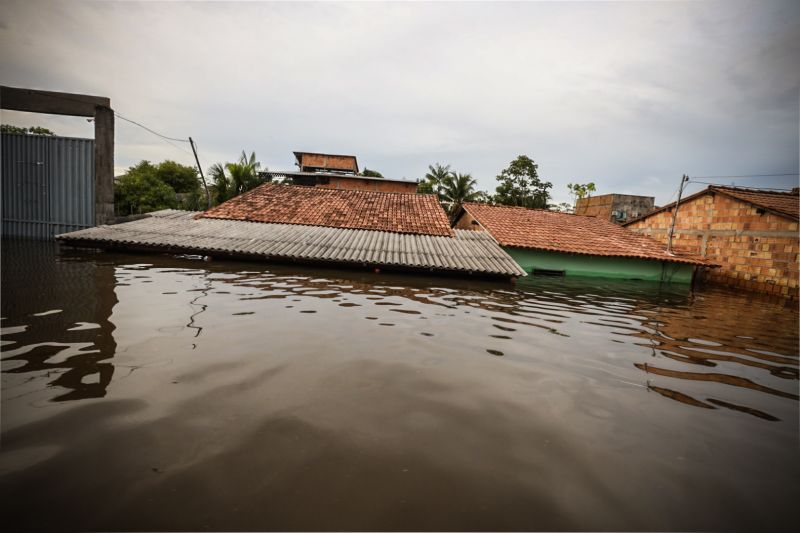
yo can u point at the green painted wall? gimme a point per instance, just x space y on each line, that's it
601 267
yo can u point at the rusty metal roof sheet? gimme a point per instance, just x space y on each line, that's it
169 230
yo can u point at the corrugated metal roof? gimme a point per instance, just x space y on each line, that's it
467 252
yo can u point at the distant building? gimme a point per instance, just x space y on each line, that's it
313 162
617 208
547 242
333 171
751 233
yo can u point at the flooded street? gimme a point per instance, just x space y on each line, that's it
148 392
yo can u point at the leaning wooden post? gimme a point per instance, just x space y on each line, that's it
684 179
208 196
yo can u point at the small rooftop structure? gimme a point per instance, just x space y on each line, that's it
616 208
354 209
314 162
544 241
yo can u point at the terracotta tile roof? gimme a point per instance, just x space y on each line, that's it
311 206
784 203
540 229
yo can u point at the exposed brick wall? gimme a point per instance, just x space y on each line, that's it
466 220
604 205
369 185
757 251
330 162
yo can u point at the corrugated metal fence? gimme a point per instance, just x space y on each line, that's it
47 185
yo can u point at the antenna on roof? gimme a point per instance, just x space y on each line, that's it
684 180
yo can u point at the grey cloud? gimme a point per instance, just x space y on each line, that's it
630 96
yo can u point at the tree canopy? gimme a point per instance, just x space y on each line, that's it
580 190
232 179
147 187
371 173
457 188
33 130
182 178
519 185
141 191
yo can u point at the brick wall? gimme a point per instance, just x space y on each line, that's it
757 251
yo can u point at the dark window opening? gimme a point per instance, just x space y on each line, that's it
546 272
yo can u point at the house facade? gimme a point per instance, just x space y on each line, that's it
752 234
546 242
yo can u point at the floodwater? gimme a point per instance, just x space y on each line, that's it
148 392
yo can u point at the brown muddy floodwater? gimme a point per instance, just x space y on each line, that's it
147 392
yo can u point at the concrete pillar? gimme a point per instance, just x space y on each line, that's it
103 165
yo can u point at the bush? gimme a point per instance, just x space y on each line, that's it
142 192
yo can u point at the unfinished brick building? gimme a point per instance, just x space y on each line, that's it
752 233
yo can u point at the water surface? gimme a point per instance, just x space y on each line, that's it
148 392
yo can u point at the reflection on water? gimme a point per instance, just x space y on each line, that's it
260 392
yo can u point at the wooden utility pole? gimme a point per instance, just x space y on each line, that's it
684 180
205 186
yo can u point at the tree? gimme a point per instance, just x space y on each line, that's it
563 207
140 191
371 173
455 189
232 179
520 185
33 130
578 191
182 178
433 178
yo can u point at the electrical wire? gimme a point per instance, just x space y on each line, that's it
747 176
150 130
728 185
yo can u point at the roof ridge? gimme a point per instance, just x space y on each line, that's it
340 191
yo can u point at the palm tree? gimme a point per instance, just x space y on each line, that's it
455 189
433 178
232 179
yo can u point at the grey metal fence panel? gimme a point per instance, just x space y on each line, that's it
47 185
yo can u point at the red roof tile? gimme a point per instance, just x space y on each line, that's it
289 204
561 232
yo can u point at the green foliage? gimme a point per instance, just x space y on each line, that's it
520 185
455 189
33 130
182 178
371 173
431 182
563 207
232 179
141 191
579 190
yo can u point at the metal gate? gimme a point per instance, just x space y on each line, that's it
47 185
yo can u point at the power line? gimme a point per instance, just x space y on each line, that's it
747 176
150 130
727 185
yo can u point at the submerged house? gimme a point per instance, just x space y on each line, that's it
333 171
546 242
288 223
751 233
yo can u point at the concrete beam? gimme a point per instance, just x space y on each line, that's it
54 103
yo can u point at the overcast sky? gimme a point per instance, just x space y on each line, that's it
628 95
